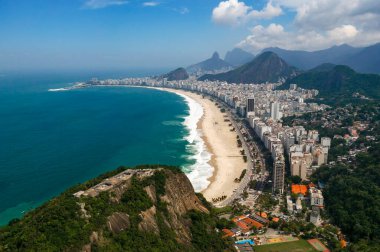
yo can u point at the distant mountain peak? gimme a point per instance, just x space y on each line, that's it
268 54
267 67
215 63
215 55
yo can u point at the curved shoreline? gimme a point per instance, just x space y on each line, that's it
221 143
226 162
202 172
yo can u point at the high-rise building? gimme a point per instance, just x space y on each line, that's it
275 113
250 105
326 142
278 175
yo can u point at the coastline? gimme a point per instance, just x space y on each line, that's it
221 144
211 137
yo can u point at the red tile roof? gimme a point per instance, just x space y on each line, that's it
299 189
242 225
253 223
227 233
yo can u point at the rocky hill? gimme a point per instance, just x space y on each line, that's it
267 67
177 74
215 63
142 209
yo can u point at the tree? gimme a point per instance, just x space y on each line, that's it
295 179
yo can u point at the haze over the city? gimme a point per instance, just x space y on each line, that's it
119 34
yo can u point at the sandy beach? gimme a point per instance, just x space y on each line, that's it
221 143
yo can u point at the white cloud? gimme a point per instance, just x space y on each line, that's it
342 33
275 35
317 24
99 4
327 14
150 4
233 12
268 12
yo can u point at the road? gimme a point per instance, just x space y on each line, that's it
250 148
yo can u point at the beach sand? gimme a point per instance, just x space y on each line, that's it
222 144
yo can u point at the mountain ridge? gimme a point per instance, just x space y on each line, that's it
215 63
238 57
337 83
361 59
266 67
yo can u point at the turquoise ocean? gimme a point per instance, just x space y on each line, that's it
50 141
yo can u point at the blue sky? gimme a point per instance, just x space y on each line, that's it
118 34
66 33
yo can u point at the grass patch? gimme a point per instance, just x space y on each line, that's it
296 246
222 210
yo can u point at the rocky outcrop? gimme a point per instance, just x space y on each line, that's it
179 199
151 191
180 194
118 222
148 222
142 209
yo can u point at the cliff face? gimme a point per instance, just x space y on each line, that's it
179 199
130 210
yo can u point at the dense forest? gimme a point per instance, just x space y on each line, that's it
352 197
352 189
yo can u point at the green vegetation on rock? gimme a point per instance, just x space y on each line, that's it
156 213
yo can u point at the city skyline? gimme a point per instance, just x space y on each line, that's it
118 34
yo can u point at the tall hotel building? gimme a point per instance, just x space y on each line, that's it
250 106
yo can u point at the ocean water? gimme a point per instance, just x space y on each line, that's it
50 141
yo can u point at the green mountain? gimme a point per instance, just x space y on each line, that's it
338 83
147 208
267 67
177 74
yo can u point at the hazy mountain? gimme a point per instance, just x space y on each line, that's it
178 74
325 67
337 83
215 63
267 67
307 60
238 57
366 60
141 209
